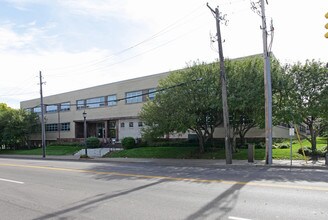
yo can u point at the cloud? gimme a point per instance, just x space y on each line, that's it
22 5
93 8
26 37
9 39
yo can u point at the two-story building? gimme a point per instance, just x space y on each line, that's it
111 112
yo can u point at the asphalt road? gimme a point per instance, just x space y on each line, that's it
37 189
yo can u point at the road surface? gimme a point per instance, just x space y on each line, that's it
42 189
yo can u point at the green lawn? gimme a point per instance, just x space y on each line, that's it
50 150
156 152
191 152
175 152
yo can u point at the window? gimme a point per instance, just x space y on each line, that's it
54 127
111 100
51 127
133 97
151 94
65 106
140 124
37 110
80 104
95 102
65 126
28 110
122 125
131 124
51 108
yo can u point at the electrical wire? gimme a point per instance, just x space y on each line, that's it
135 56
163 31
126 98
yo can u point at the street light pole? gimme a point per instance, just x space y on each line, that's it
85 132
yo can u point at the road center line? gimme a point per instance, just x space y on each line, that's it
11 181
270 185
237 218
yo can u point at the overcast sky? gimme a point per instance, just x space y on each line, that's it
83 43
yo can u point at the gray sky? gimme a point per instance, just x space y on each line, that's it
83 43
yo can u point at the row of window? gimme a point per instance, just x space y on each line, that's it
111 100
54 127
131 124
96 102
54 108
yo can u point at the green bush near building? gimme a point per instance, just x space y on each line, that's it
92 142
128 143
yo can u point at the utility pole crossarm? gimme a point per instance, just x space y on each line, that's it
210 8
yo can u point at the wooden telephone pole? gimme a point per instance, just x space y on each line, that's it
42 119
228 150
268 90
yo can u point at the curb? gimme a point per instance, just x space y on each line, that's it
168 162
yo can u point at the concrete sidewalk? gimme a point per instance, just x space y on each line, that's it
320 164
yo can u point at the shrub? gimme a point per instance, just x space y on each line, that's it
325 149
79 144
92 142
320 153
128 143
307 151
278 140
260 145
283 146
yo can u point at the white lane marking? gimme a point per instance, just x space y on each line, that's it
237 218
11 181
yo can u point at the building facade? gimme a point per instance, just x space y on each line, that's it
111 112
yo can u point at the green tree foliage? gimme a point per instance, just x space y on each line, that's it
188 99
196 104
16 126
246 93
306 97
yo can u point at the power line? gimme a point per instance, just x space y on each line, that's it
132 57
19 90
126 98
166 29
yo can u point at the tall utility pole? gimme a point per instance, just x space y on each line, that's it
268 90
42 120
228 151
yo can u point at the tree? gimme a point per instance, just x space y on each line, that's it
16 126
187 99
307 98
246 94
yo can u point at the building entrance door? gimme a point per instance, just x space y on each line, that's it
100 130
112 130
